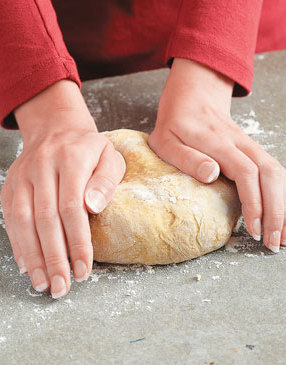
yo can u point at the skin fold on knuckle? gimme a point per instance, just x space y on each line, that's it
46 215
251 209
274 221
246 171
57 264
32 259
106 185
22 215
71 208
82 250
272 168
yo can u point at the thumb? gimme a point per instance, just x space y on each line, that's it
104 180
187 159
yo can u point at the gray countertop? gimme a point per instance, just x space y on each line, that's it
236 313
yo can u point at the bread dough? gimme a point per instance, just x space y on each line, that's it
158 214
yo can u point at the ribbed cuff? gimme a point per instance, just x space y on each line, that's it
44 74
213 56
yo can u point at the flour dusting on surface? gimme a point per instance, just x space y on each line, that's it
248 123
3 174
20 148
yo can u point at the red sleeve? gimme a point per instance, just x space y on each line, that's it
220 34
33 55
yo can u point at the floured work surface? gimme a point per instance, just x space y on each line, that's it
226 307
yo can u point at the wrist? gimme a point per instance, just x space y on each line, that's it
203 82
59 107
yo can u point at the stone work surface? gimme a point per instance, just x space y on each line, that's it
227 307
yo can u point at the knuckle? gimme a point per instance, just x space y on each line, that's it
45 214
32 259
271 168
68 152
55 261
255 207
71 208
108 183
249 169
22 214
79 248
43 153
276 218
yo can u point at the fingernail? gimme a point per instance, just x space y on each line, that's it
283 236
22 266
58 286
257 229
40 280
274 241
208 171
80 271
95 200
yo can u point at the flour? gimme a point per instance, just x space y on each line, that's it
128 145
242 243
33 293
45 313
20 148
139 191
215 277
260 57
144 121
249 125
3 339
3 174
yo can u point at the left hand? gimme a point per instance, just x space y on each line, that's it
195 132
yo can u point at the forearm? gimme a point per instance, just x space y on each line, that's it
194 79
33 55
56 108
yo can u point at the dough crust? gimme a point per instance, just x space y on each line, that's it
158 214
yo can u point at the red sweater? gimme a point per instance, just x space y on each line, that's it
124 36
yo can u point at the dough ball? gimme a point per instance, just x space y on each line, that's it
158 214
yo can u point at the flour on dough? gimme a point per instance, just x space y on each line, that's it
158 214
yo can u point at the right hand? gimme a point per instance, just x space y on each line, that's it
65 170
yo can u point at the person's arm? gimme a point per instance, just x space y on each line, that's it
67 168
33 54
213 49
219 34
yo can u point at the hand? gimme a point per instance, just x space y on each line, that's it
65 170
194 132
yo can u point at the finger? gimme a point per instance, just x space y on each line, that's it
238 167
50 230
283 235
26 235
74 173
272 182
107 175
272 186
6 202
187 159
246 177
75 220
